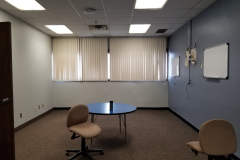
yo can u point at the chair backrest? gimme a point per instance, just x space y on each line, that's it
217 137
77 114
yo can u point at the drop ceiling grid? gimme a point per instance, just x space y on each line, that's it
116 14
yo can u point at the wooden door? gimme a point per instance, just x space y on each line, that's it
7 148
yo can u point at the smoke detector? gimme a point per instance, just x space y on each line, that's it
98 27
89 11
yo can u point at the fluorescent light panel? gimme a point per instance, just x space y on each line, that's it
139 28
59 29
26 4
149 4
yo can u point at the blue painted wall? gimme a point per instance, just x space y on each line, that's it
208 98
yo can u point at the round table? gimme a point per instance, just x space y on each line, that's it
118 109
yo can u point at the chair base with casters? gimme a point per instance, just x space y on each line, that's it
212 157
84 151
77 124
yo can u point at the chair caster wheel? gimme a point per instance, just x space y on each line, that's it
102 153
67 153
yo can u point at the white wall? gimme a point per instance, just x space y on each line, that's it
32 82
139 94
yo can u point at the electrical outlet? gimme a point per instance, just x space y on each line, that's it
39 107
43 105
35 109
20 115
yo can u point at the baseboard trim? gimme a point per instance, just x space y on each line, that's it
232 156
31 121
184 120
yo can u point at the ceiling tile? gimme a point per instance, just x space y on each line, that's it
32 22
39 14
114 26
170 31
166 34
65 14
183 20
193 12
166 20
143 20
62 5
84 4
153 34
19 14
140 13
102 32
119 21
92 21
82 32
98 14
172 12
181 3
43 28
71 21
86 36
54 35
119 4
119 31
161 26
205 3
6 6
49 32
49 21
101 35
119 35
68 35
119 14
77 26
177 25
136 35
152 31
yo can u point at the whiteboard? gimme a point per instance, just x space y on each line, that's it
215 64
175 66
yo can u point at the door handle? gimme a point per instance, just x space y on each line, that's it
6 100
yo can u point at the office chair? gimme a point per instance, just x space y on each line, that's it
77 123
217 139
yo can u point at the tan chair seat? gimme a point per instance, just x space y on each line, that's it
195 146
86 130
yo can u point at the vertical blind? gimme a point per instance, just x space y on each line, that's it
65 59
138 59
93 54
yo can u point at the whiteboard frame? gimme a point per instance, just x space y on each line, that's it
225 63
175 67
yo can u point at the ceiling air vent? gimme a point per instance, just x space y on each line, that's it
98 27
161 30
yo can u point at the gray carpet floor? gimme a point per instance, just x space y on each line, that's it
151 134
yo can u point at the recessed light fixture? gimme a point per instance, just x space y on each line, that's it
139 28
26 4
59 29
149 4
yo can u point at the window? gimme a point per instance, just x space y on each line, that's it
138 59
87 59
